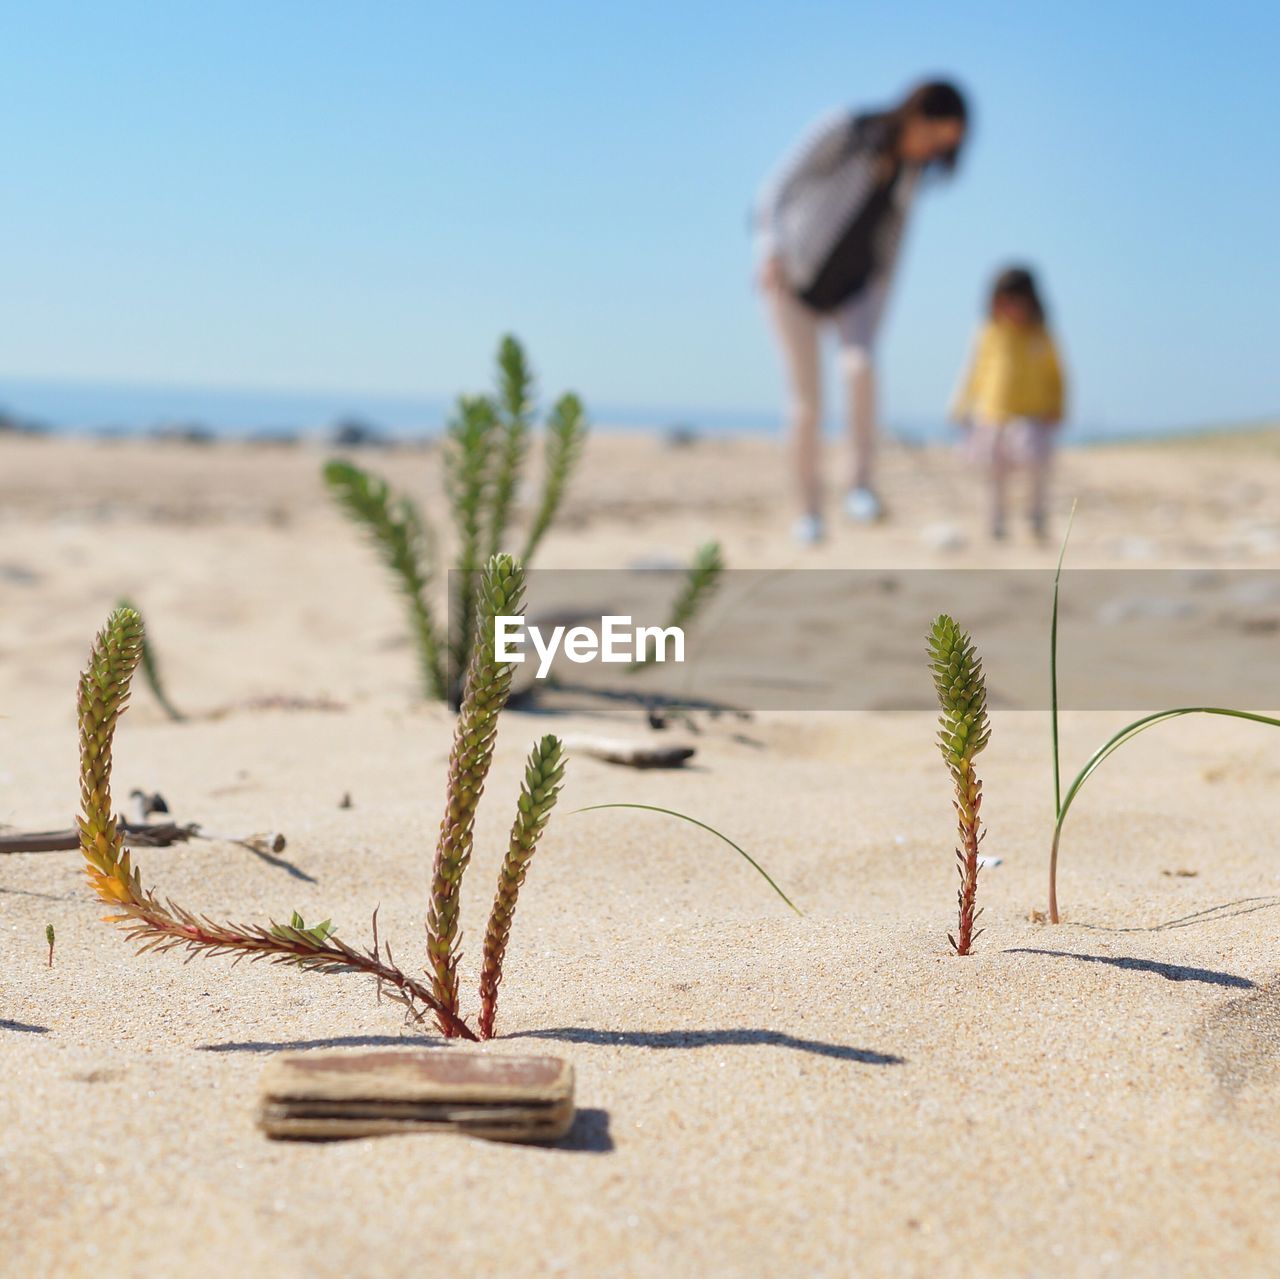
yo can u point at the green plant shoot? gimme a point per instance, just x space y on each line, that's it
700 584
1111 745
400 536
963 733
485 450
151 673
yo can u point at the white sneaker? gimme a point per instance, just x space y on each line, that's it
862 506
809 530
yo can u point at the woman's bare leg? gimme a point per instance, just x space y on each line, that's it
796 327
857 322
859 376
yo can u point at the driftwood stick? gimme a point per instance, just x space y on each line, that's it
49 841
139 834
142 834
631 753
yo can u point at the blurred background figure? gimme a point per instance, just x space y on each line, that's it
1011 397
830 225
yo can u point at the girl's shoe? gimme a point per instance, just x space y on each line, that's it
862 506
809 530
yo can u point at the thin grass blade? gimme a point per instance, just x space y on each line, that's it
693 821
1053 663
1107 749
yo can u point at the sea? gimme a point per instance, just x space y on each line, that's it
118 409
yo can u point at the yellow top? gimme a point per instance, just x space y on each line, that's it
1014 373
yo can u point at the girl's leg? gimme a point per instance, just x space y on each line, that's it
998 468
796 327
1039 467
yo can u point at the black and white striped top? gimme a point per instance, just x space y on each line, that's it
829 214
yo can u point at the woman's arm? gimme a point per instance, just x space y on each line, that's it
819 149
882 282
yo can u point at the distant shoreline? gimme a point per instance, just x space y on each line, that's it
126 411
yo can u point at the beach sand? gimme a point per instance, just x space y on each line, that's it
759 1094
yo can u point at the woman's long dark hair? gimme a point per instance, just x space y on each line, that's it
930 100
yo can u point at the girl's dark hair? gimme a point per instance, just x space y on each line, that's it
1018 282
930 100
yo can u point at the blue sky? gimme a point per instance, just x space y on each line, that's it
319 196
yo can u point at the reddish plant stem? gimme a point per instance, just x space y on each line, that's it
146 920
543 773
968 806
485 693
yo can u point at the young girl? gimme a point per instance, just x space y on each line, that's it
1011 396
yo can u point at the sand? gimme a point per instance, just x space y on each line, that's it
760 1094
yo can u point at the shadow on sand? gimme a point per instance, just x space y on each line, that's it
337 1041
291 869
663 1039
1171 972
589 1135
1225 910
22 1027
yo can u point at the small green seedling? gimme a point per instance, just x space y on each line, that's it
543 775
700 584
50 937
963 732
404 543
693 821
485 693
486 448
151 673
297 926
160 924
1062 803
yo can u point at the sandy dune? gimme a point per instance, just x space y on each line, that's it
760 1094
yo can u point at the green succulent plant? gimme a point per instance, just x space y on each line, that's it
700 583
160 924
963 733
485 693
163 925
486 449
566 434
543 774
401 537
151 673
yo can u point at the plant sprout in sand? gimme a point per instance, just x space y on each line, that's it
1110 746
485 693
151 672
487 689
963 732
700 584
160 924
543 774
486 447
401 538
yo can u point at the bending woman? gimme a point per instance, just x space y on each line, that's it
830 225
